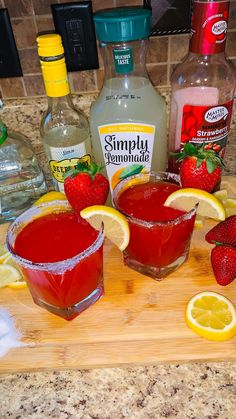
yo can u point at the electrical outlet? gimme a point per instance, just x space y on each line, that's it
74 22
9 58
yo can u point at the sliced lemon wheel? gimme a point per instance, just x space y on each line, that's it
212 316
50 196
208 205
8 275
3 253
116 227
199 221
222 195
10 261
19 284
230 206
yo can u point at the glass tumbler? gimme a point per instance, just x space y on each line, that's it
157 247
67 287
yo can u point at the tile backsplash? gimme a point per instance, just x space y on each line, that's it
28 17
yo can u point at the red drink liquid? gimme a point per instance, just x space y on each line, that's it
155 246
55 238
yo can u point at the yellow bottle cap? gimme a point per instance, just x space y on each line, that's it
50 45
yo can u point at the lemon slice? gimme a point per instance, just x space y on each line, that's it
10 261
212 316
8 274
222 195
19 284
3 253
51 196
199 221
116 227
230 206
208 205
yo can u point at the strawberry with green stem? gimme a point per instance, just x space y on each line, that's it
199 168
85 186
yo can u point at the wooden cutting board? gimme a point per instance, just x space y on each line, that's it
138 321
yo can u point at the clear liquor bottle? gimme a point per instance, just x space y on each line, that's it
203 84
64 129
21 178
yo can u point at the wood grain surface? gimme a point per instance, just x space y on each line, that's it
138 321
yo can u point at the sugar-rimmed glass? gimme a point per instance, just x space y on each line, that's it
67 287
156 248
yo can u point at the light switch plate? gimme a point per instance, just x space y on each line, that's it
74 22
9 58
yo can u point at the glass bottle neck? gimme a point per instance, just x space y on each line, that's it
124 60
61 102
209 27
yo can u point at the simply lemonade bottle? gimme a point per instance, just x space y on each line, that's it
128 120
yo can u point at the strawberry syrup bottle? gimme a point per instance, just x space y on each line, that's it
203 85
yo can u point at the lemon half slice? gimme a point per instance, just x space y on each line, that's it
20 283
50 196
8 275
3 253
208 205
116 227
230 206
199 221
212 316
222 195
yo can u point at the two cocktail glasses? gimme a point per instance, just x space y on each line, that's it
61 255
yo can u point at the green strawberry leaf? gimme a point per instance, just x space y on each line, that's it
211 165
132 169
199 161
190 149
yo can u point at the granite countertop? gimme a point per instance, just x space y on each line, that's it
194 390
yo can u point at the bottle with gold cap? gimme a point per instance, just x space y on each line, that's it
64 129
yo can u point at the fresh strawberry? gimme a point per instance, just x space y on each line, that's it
86 186
224 232
223 260
199 168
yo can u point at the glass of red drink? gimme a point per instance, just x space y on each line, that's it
159 236
61 257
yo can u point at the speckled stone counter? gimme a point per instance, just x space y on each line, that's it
191 391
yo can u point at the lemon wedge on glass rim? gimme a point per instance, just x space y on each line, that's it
211 315
186 198
116 227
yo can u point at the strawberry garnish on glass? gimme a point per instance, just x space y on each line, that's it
199 168
85 186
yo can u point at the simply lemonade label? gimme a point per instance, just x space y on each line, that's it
127 149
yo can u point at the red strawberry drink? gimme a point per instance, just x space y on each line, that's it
159 236
61 257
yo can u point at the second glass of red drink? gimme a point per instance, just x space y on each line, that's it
159 235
